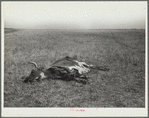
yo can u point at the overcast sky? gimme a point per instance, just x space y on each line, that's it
74 15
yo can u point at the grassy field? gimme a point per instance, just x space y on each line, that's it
123 51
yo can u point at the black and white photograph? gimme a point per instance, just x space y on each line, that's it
74 58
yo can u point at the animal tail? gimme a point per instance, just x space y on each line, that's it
102 68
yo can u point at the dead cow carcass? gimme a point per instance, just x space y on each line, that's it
67 68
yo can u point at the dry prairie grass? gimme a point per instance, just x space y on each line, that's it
123 51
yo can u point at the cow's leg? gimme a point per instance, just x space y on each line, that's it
82 79
79 80
83 76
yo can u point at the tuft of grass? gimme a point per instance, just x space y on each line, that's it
123 51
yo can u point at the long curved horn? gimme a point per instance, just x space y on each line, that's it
35 64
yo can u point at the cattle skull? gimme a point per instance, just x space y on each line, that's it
36 74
